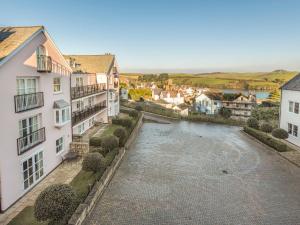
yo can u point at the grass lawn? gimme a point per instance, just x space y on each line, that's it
109 130
26 217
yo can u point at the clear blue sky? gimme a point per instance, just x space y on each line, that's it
172 35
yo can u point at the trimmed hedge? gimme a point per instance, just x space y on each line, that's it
280 133
134 113
54 203
110 142
125 122
266 127
139 108
267 139
95 141
121 133
93 161
253 123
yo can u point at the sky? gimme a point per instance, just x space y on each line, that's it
170 35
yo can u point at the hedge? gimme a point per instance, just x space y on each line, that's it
267 139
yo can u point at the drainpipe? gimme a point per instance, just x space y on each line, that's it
71 105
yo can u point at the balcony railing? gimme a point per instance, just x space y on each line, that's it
31 140
82 91
28 101
82 115
44 64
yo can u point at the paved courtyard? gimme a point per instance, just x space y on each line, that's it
194 174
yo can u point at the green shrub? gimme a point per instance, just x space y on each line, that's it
110 156
110 142
100 150
126 122
133 113
92 162
268 140
54 203
253 123
225 113
139 108
266 127
280 133
95 141
122 135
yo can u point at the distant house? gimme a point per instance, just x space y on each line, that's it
156 94
172 97
289 109
182 109
241 106
208 102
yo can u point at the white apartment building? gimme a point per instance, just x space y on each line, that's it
94 90
289 109
208 102
35 113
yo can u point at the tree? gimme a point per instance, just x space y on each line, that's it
122 135
92 162
224 112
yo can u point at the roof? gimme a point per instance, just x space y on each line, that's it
12 38
59 104
92 63
213 95
156 91
293 84
173 94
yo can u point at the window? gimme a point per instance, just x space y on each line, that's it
295 130
91 101
26 86
81 128
91 122
290 128
79 81
62 116
291 106
56 85
59 144
33 169
296 107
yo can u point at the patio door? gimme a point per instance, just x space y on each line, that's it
27 127
33 169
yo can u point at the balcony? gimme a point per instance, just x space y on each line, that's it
31 140
28 101
84 114
82 91
44 64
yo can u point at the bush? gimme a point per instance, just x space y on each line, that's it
95 141
133 113
54 203
266 127
268 140
139 108
225 113
126 122
122 135
100 150
110 156
252 122
280 133
92 162
110 142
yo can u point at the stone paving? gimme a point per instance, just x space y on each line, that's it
64 173
200 174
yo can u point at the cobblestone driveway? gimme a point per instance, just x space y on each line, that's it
187 173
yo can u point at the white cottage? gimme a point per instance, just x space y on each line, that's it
208 102
289 109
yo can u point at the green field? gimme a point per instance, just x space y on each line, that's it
221 80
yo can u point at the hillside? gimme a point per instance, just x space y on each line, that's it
259 80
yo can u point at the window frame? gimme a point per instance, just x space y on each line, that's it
60 121
55 85
60 143
291 106
296 109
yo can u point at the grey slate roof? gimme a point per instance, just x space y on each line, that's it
293 84
59 104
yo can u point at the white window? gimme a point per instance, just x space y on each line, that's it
81 128
295 130
291 106
59 144
26 86
290 128
91 101
79 81
91 122
33 169
62 116
56 85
